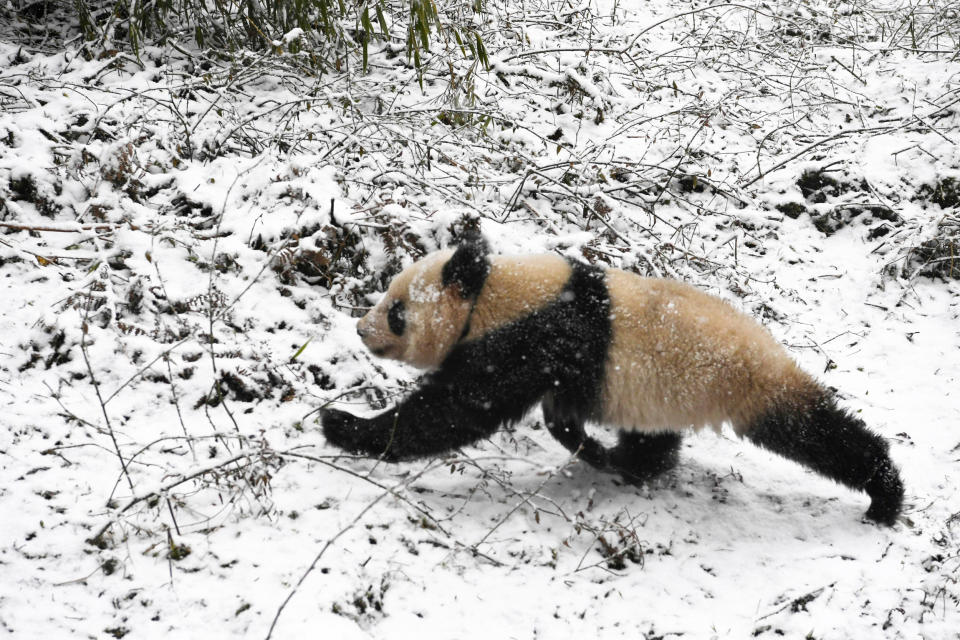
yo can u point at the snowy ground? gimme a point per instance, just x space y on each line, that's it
184 243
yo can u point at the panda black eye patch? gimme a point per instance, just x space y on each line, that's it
397 317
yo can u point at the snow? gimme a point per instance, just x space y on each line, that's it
195 228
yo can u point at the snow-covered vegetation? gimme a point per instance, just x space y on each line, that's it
186 239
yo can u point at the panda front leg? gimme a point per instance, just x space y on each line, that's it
570 433
435 419
637 457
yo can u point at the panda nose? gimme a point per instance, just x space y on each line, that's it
361 331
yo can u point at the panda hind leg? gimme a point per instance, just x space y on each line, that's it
640 456
836 444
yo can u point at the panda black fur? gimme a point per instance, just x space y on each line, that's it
651 357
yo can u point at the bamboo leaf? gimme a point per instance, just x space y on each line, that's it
365 21
300 350
382 19
482 52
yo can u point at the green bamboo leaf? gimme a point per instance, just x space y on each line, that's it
482 52
381 19
423 28
300 350
365 21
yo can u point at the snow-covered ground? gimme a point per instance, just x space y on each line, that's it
185 243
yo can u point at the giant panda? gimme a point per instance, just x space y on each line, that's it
651 357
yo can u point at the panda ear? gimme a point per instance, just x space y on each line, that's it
468 266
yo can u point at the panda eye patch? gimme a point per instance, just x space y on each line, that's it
397 317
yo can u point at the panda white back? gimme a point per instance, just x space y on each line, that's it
680 358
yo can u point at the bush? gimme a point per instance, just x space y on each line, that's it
322 31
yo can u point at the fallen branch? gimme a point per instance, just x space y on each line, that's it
67 228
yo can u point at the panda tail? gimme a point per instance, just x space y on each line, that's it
831 441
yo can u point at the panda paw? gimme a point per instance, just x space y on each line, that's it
344 430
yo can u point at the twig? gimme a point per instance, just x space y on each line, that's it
367 478
813 145
848 70
248 454
67 228
103 405
327 545
525 500
799 603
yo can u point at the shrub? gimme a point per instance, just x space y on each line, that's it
323 31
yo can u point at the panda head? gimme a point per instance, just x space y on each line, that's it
427 306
